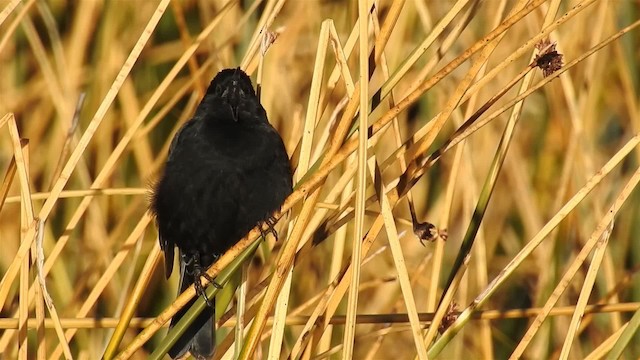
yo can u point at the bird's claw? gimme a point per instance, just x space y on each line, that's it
270 224
198 273
200 291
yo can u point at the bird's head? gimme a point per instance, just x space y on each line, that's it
232 89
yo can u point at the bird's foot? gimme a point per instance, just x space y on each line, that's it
199 272
268 226
200 291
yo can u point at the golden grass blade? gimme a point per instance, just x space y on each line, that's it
26 219
68 194
333 195
341 58
279 319
5 119
308 131
25 194
8 10
132 303
7 181
349 45
41 349
296 319
361 179
325 136
589 281
22 169
241 310
55 319
398 257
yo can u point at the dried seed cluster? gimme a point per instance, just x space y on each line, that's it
548 59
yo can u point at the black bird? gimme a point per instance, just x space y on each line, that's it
227 172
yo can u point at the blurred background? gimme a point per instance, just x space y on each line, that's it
99 105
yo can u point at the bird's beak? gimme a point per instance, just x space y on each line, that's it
234 112
232 95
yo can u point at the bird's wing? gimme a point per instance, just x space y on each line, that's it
177 138
167 249
166 244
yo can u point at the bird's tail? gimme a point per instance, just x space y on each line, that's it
200 336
